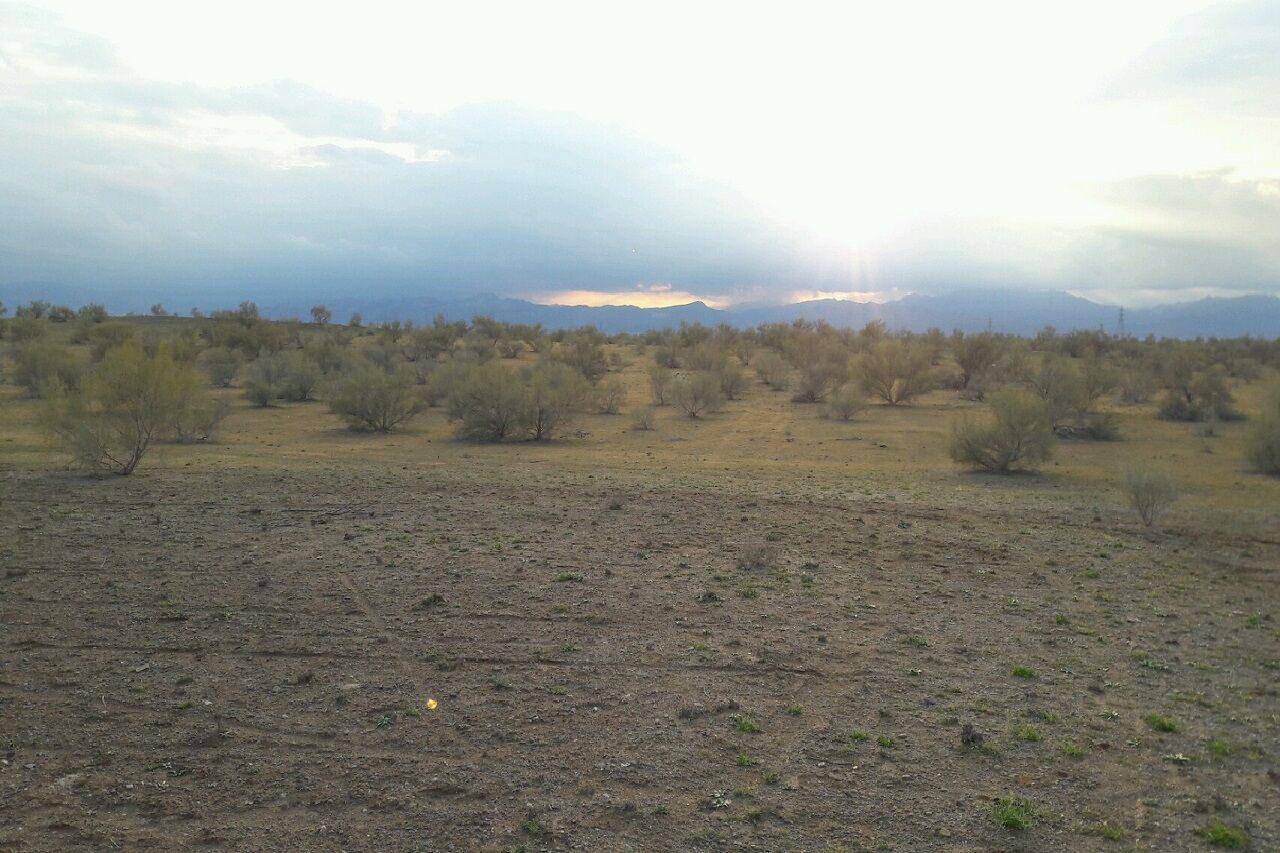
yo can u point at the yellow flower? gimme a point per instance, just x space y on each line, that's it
432 704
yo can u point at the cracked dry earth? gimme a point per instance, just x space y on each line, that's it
243 660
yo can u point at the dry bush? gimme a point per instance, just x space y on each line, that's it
371 398
265 380
26 329
976 355
773 370
642 419
1020 436
198 418
123 404
697 394
1151 491
844 404
610 394
895 371
39 365
302 376
553 394
222 365
1262 444
489 403
1202 396
757 556
820 369
732 381
107 336
660 384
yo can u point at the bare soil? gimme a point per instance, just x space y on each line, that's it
243 658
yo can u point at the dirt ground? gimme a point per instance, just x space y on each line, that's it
245 660
758 631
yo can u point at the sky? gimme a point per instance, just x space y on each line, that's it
647 154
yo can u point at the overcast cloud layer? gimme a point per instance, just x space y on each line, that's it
115 180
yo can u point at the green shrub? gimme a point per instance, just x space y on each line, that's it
1020 437
697 394
610 394
659 384
553 393
489 402
773 370
265 380
107 336
222 365
123 404
1262 444
844 403
40 364
375 399
1150 491
895 371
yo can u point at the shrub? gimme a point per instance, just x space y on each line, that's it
820 369
772 370
41 364
1150 491
1262 444
553 393
93 313
895 371
975 355
610 394
844 404
371 398
198 417
659 384
25 329
642 419
301 377
320 315
61 314
108 336
489 403
732 381
265 381
128 400
697 394
222 365
1021 435
1204 395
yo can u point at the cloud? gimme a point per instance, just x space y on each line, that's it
280 190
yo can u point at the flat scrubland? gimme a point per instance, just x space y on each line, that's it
756 629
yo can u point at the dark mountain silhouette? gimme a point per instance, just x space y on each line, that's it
1023 312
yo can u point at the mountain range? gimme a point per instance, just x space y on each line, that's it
1011 311
1022 312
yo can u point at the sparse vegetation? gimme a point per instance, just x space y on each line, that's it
1021 435
1150 490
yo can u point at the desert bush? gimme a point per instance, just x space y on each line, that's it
1150 491
1136 383
61 314
697 394
1204 395
642 418
320 315
659 384
37 309
124 403
844 403
819 371
222 365
895 371
302 376
488 401
368 397
25 329
198 417
107 336
733 381
264 382
585 355
1262 443
610 394
39 365
1020 436
772 370
553 393
975 355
